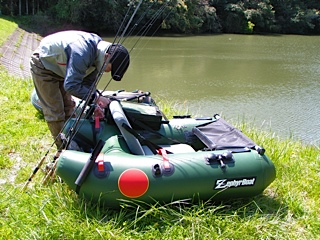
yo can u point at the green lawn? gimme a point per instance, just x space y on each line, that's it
7 26
288 209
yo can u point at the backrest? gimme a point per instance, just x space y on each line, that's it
120 118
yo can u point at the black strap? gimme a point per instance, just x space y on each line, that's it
94 133
153 147
84 142
146 127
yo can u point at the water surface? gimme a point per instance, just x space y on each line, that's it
270 81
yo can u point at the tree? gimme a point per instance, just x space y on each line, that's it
179 16
236 21
193 16
261 14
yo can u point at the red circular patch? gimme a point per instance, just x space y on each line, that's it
133 183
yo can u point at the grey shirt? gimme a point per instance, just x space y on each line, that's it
73 55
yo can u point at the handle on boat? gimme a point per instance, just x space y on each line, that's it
89 164
144 94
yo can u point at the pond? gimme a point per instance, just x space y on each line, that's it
269 81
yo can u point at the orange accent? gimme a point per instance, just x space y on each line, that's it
133 183
101 166
100 162
165 158
62 64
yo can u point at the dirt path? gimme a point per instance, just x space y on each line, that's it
16 51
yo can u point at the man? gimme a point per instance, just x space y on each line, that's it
67 63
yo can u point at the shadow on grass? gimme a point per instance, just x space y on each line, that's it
39 115
134 214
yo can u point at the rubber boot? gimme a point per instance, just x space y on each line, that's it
55 128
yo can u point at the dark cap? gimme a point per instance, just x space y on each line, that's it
120 61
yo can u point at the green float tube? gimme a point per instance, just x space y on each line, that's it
162 160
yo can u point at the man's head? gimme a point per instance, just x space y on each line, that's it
119 59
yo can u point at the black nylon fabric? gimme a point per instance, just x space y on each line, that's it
222 135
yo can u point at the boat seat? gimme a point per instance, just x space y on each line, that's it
174 148
120 118
132 142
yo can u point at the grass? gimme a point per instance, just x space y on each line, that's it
7 26
288 209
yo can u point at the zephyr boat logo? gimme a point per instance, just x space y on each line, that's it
228 183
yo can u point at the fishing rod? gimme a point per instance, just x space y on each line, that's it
134 13
75 126
36 169
122 35
152 20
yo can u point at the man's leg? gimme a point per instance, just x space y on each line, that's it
47 85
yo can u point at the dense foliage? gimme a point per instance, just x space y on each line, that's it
288 209
177 16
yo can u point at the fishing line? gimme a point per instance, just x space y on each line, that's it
134 13
120 38
129 33
138 21
152 21
149 24
122 24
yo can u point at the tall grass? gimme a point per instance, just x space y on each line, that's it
288 209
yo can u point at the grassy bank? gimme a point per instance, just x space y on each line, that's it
7 26
288 209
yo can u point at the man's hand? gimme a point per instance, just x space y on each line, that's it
102 103
99 111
